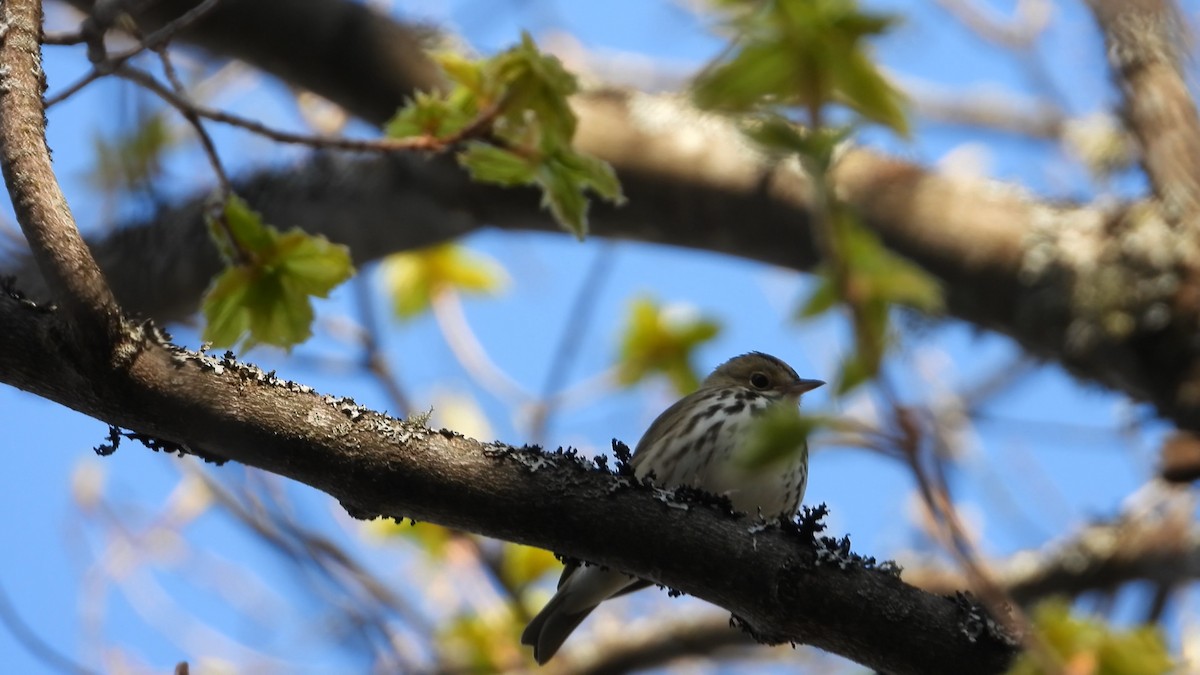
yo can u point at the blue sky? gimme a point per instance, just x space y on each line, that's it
1048 430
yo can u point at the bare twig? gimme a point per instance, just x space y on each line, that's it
34 644
189 114
448 312
478 127
93 32
935 492
63 39
1146 51
375 360
575 327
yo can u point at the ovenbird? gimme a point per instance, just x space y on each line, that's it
694 442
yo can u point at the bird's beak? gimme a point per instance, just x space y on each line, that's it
801 386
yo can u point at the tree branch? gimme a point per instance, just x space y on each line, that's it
774 579
1162 547
1093 289
348 52
41 209
1144 39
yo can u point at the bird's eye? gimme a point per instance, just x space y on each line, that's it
760 381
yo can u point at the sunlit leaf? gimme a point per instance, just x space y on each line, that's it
433 116
853 373
431 539
1091 646
415 278
523 565
482 644
823 298
491 164
537 83
467 73
264 295
521 97
563 195
658 341
800 54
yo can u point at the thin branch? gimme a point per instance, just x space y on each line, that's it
189 114
1161 546
34 644
93 32
375 359
469 352
1146 51
659 643
935 492
575 327
476 128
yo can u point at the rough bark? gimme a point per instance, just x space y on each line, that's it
780 582
1107 292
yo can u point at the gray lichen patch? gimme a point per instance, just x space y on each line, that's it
1113 273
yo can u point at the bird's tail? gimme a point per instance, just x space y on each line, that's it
579 592
547 632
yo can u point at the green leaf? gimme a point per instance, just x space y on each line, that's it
903 283
225 315
491 164
1088 645
131 160
244 231
565 177
280 314
465 72
414 278
564 197
523 565
861 86
480 643
778 135
853 373
529 140
800 54
311 264
656 340
756 74
778 435
432 116
824 297
263 296
879 274
591 173
536 83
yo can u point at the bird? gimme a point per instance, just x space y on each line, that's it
695 443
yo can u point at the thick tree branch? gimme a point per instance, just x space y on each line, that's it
345 51
773 579
41 209
1164 549
1096 290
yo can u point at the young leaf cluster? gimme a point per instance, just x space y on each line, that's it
793 60
512 112
264 294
